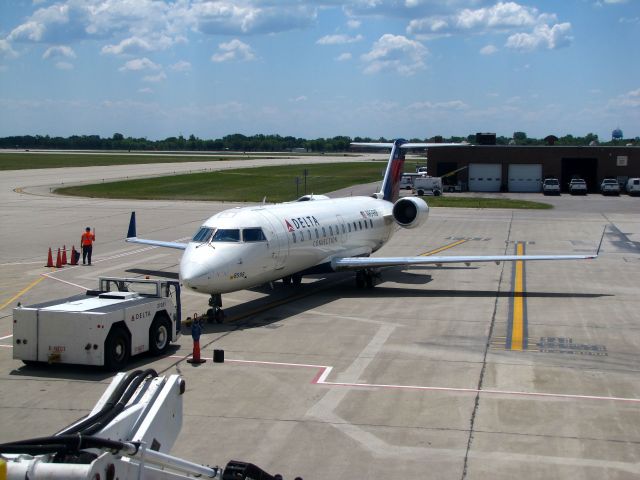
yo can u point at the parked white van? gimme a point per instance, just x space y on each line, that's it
633 186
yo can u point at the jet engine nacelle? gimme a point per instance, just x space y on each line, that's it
410 212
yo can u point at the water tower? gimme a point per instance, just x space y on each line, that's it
616 134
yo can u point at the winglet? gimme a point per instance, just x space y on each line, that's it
131 233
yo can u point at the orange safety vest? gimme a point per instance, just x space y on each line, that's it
87 239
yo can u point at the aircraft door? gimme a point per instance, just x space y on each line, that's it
344 232
278 239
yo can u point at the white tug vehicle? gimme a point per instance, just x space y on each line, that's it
104 327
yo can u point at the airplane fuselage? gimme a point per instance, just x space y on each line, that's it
296 237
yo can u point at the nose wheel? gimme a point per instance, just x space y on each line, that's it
215 313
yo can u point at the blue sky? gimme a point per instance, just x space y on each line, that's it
392 68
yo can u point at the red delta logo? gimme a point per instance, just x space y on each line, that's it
289 227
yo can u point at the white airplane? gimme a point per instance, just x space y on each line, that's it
245 247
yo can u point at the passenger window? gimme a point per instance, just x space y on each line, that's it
294 237
317 233
355 226
360 223
349 225
324 232
371 223
253 235
309 234
302 236
226 235
365 224
343 229
330 230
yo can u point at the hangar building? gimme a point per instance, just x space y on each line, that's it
510 168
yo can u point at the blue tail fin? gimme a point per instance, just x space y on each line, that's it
391 183
132 226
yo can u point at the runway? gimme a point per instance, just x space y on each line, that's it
417 378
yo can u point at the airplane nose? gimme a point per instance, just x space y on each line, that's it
194 275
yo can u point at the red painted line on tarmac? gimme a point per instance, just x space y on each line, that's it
324 371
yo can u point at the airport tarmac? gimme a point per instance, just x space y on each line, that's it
487 371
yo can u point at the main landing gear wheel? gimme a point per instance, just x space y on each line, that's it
215 313
292 279
366 278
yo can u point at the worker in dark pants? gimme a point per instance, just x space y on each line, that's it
86 241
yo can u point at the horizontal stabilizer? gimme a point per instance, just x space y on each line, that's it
405 145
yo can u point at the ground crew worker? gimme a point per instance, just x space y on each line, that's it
86 241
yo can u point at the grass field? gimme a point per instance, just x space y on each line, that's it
277 184
239 185
479 202
29 160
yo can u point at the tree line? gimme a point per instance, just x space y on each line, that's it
264 143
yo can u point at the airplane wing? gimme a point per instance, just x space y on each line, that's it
354 263
132 237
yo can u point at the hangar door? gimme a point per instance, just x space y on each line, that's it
485 177
525 178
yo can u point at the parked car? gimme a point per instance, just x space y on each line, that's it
633 186
551 186
577 186
610 186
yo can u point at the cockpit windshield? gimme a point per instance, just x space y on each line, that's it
226 235
203 235
206 235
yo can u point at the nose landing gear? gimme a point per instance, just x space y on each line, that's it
215 313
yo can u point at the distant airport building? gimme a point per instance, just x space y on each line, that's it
511 168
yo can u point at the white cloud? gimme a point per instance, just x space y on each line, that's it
395 53
630 99
455 105
338 39
250 17
301 98
159 77
343 57
542 36
6 50
353 24
488 50
233 50
181 66
530 29
139 64
64 66
59 51
128 45
145 90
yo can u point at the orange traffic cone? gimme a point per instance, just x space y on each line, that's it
195 357
58 260
49 259
64 254
74 255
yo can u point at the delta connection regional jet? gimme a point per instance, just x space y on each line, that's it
245 247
